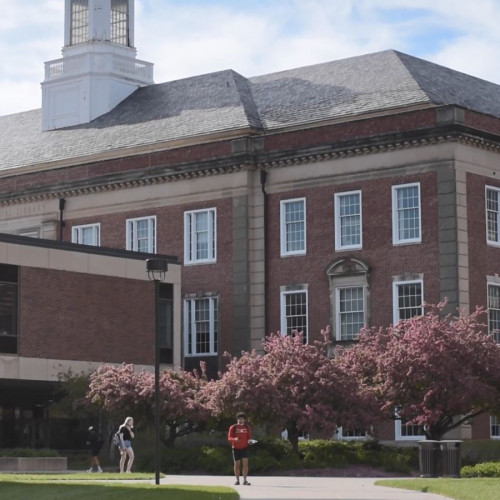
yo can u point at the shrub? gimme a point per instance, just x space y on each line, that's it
486 469
479 451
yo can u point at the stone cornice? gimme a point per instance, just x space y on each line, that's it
251 162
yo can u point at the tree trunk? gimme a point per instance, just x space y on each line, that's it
293 437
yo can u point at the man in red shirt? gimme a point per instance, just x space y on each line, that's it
239 436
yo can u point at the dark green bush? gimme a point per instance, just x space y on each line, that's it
271 456
479 451
486 469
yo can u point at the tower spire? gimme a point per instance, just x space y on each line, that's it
98 68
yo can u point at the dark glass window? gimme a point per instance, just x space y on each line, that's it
8 309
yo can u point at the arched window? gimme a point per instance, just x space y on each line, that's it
349 297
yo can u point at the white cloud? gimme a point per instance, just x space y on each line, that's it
190 37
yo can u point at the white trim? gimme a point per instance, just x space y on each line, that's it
190 236
395 296
494 243
337 308
283 240
302 289
340 437
398 435
395 219
338 226
96 233
190 327
132 223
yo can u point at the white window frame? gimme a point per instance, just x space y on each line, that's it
191 240
131 234
76 234
492 242
395 296
493 307
494 424
286 292
190 327
283 228
399 436
341 437
338 221
338 314
396 240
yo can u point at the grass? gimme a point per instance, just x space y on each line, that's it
104 487
458 489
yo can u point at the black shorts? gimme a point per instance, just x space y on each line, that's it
239 454
94 451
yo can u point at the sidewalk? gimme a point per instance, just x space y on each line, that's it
306 488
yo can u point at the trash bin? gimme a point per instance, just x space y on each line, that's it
428 458
450 458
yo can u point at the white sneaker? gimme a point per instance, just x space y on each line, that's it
99 469
90 470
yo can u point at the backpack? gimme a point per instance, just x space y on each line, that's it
116 439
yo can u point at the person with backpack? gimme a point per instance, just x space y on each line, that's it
94 442
240 437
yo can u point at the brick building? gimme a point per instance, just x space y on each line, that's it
343 193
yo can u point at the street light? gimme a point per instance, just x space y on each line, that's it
157 270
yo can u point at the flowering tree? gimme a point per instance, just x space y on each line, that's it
293 385
436 371
120 389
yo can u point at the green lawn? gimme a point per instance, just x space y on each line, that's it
458 489
103 487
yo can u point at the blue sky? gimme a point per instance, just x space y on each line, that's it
188 37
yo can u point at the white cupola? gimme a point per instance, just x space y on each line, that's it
98 68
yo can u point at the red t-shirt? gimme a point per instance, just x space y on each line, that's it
241 431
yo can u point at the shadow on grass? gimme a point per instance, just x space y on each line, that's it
15 490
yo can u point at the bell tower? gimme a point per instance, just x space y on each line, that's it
98 68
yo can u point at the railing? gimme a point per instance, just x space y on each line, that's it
99 63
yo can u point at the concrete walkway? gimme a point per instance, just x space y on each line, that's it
307 488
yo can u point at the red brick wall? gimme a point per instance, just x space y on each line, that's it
384 259
483 259
76 316
196 279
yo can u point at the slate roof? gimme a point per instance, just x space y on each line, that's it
226 100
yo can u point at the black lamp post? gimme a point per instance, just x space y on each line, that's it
157 269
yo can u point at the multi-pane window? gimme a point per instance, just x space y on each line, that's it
492 218
119 22
404 431
88 234
201 326
408 300
8 309
494 310
406 218
294 316
79 21
141 234
293 227
494 427
351 434
348 228
350 309
200 236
